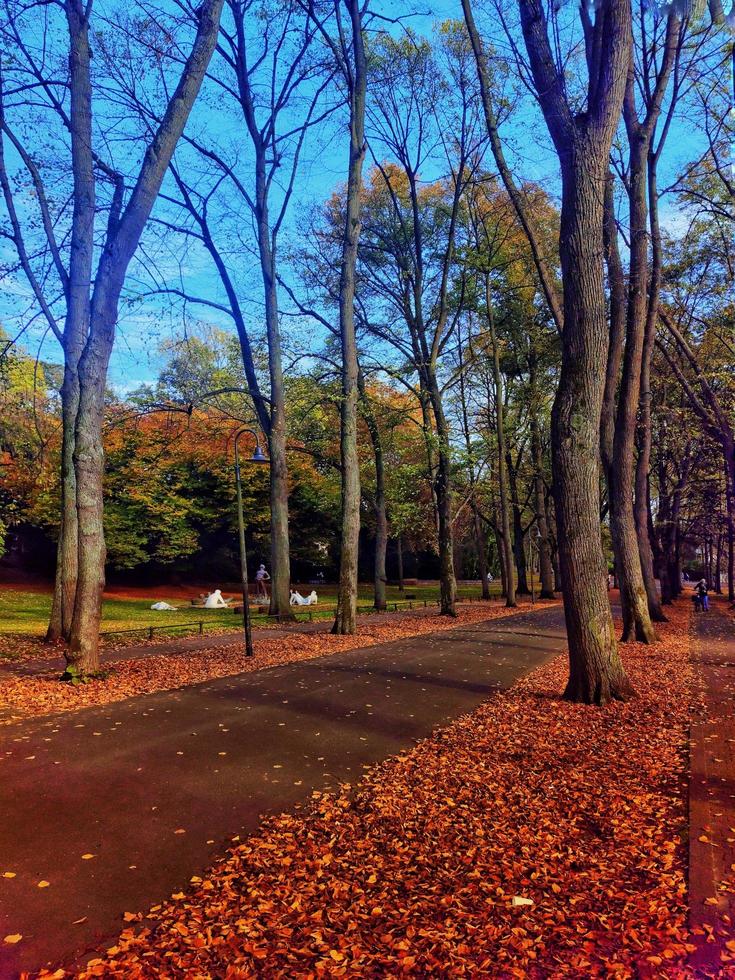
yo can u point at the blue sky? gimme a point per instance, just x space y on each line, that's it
136 358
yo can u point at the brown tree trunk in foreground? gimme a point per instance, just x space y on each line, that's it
89 464
596 672
637 621
643 464
583 144
345 620
123 235
67 554
76 325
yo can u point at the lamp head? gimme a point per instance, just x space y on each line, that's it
259 456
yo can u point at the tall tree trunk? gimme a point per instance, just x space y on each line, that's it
643 463
553 547
427 430
666 533
643 294
379 505
637 621
345 621
729 454
502 558
124 229
625 549
481 548
596 672
582 142
519 538
504 504
381 548
67 555
89 462
271 412
616 287
546 571
443 487
280 601
399 557
76 325
718 565
477 528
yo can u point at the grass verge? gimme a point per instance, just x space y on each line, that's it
44 694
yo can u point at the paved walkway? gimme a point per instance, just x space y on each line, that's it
712 797
154 787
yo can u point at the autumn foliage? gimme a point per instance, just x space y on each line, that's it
418 870
41 694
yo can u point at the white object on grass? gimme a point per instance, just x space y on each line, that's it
298 600
162 607
215 601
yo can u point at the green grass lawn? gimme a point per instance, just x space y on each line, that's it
26 612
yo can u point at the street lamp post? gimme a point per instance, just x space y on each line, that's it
257 457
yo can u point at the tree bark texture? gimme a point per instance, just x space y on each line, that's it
346 613
443 489
504 502
546 571
596 672
123 235
379 504
76 325
636 619
583 144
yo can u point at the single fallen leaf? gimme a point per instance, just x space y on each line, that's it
87 857
13 938
43 884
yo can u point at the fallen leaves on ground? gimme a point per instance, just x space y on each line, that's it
43 694
417 872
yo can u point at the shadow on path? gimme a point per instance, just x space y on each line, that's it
712 794
154 787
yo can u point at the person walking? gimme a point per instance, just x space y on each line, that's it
701 590
261 577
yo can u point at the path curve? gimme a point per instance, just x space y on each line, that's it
154 787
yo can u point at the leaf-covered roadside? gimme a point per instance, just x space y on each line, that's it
130 678
582 810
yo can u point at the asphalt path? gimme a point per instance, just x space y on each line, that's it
117 807
712 794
